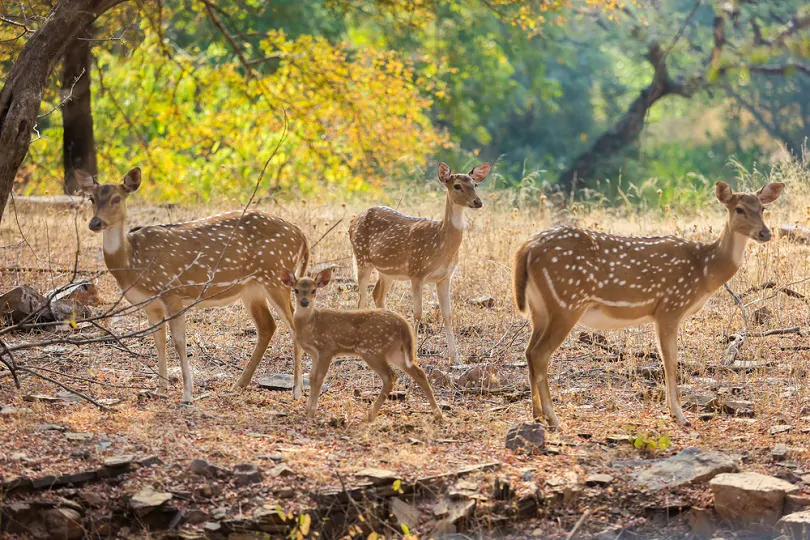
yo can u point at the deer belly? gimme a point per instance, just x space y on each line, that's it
598 319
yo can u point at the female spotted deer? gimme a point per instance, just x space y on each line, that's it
166 269
382 338
567 275
413 249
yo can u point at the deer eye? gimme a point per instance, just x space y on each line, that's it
740 211
457 186
296 291
115 200
92 199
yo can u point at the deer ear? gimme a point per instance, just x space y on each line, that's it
444 173
770 193
323 278
288 278
723 192
480 172
132 181
87 183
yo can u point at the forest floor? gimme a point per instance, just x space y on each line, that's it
607 392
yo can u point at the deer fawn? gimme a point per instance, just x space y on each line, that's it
167 269
413 249
381 338
567 275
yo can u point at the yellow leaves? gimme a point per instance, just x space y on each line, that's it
357 117
304 522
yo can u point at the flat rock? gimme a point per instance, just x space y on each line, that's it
741 408
750 497
405 514
8 410
119 461
78 436
795 525
781 428
147 500
377 475
690 466
619 438
526 435
246 473
779 452
598 479
281 470
23 303
698 401
280 382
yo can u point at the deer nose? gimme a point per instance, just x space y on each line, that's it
764 234
95 224
478 203
304 302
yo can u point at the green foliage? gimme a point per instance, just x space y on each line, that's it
649 443
201 131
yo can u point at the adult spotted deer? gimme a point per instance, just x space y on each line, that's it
567 275
382 338
167 269
414 249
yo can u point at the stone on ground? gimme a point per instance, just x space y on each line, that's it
526 435
795 525
690 466
750 497
147 500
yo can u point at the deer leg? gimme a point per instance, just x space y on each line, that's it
177 325
363 279
540 355
320 365
416 298
155 318
418 375
381 290
281 301
668 347
265 328
381 368
537 406
443 290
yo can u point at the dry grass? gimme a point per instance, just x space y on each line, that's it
595 395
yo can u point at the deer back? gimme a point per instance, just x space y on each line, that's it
222 251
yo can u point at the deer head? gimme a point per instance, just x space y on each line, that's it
305 288
745 209
461 187
109 200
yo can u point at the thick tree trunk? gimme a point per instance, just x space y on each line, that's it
627 130
78 145
21 95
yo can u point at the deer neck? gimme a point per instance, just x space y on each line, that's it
118 253
725 256
302 318
452 226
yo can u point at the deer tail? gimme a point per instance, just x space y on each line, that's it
303 257
520 276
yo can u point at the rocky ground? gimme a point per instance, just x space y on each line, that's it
249 463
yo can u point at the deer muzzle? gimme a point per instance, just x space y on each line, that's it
477 203
96 224
764 234
304 302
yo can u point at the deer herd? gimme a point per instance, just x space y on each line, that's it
561 277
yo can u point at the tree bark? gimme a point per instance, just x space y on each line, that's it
21 95
627 130
78 144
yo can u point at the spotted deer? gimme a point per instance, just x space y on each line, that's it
381 338
567 275
418 250
168 269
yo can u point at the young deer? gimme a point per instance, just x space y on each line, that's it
567 275
166 269
413 249
381 338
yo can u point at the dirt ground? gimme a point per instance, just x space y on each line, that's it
598 393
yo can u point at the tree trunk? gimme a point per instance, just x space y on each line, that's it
627 130
78 145
21 95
